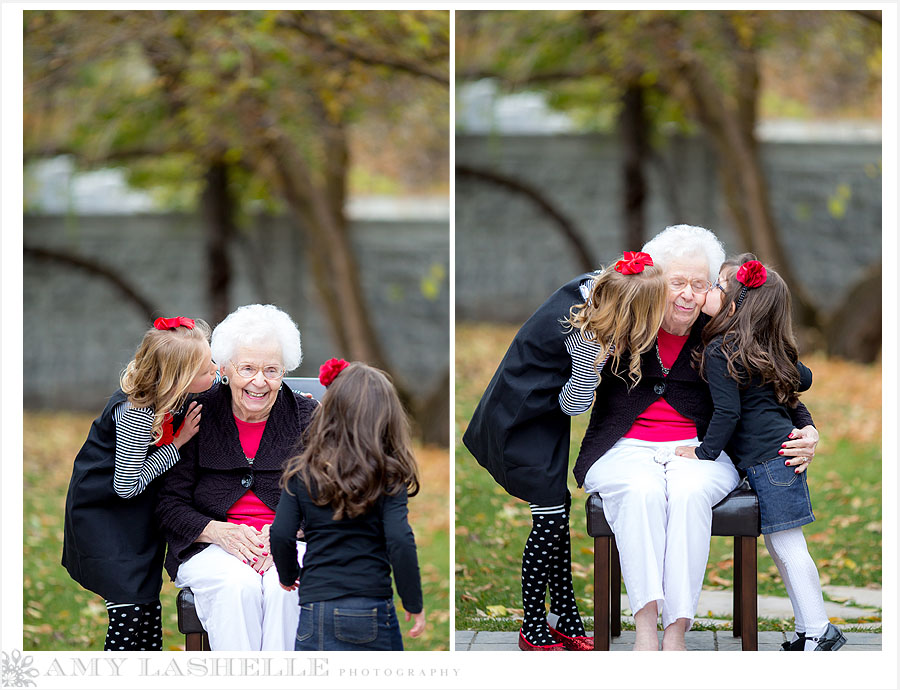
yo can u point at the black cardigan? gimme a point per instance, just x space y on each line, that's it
616 407
518 431
206 482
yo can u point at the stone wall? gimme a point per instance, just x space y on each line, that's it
79 331
509 256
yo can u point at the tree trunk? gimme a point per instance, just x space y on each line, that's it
731 127
218 213
854 330
633 140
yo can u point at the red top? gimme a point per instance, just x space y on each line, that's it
660 421
248 509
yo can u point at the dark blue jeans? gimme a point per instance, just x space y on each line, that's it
348 624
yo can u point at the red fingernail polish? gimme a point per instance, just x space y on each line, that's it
245 561
265 553
784 445
781 452
262 546
787 462
254 558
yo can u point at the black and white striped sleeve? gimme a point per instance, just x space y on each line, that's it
137 461
577 394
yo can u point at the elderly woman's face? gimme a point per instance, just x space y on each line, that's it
253 393
684 300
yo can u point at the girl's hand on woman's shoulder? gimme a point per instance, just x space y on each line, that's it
190 426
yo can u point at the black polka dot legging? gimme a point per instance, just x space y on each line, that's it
134 627
547 563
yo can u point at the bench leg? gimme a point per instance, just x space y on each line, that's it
748 595
736 589
601 593
193 642
615 591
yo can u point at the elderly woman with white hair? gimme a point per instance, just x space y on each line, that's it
659 505
217 504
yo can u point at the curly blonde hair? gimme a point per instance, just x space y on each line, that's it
623 314
163 368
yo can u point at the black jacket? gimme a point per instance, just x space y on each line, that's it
616 407
207 480
518 431
111 545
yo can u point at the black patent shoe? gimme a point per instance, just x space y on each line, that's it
795 646
831 641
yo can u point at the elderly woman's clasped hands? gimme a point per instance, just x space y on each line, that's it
244 542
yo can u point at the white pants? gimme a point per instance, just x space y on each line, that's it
659 506
239 608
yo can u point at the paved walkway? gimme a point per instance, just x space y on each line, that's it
699 640
854 603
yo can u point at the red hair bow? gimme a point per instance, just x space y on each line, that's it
752 274
329 371
633 262
162 324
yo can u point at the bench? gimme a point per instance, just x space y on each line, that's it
195 637
736 515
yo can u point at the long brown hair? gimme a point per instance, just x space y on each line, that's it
757 337
623 312
357 446
163 368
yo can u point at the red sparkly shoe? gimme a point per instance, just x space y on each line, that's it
526 646
579 643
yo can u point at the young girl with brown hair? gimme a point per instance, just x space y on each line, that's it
750 360
348 492
520 429
112 544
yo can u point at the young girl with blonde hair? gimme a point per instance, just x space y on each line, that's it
112 545
348 492
520 429
750 360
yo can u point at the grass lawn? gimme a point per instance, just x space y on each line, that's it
844 480
60 615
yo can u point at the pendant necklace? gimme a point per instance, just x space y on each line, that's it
665 370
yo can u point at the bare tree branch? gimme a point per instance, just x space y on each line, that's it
94 268
367 55
566 226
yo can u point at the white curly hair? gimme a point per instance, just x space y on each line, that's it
255 325
680 241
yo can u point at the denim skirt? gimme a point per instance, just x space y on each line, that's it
783 496
348 624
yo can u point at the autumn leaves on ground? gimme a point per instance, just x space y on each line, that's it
844 480
60 615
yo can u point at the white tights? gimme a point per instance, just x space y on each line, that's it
801 579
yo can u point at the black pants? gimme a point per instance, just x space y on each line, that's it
134 627
547 564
